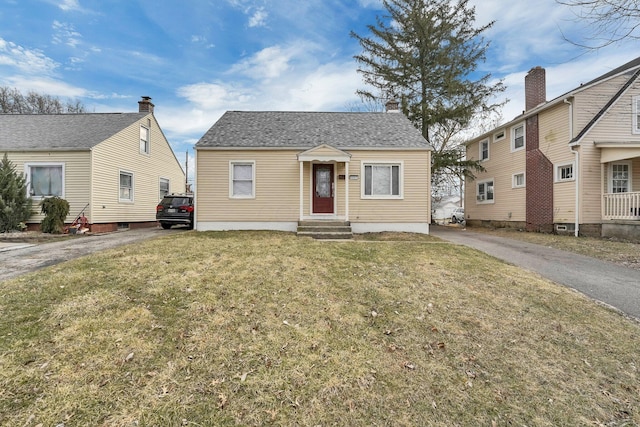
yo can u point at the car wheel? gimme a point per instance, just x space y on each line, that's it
165 225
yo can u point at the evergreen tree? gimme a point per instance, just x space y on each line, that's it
425 53
15 205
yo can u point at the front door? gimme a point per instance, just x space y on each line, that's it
323 189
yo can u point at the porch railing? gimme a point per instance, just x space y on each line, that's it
622 206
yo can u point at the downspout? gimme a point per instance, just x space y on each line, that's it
576 153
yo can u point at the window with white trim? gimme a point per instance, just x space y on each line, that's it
564 172
484 191
518 180
45 179
126 186
382 180
164 187
242 179
517 137
484 149
498 136
620 178
144 140
636 114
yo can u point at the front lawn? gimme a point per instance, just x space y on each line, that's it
258 328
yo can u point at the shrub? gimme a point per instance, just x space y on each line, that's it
55 210
15 205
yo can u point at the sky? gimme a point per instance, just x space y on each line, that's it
197 59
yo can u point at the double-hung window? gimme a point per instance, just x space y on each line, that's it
45 179
636 114
620 175
517 137
164 187
144 140
484 150
242 182
382 180
518 180
484 191
126 186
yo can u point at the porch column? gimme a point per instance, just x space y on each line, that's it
301 188
346 191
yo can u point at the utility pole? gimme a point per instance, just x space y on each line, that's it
186 171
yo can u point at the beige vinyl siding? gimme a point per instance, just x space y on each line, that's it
509 203
555 135
277 191
415 205
76 177
615 126
121 152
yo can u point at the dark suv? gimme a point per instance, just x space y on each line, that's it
175 209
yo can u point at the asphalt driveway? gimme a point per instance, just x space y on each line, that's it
606 282
20 258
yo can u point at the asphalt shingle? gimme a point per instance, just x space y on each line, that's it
303 130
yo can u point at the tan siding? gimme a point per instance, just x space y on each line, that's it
509 203
415 205
76 179
277 188
122 152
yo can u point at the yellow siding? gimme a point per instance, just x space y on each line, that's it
76 177
278 189
509 203
122 152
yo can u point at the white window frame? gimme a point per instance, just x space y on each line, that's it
390 163
482 198
145 144
499 136
610 176
232 179
27 171
480 150
557 172
514 177
513 137
131 199
168 181
636 115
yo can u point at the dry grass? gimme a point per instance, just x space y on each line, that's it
251 328
624 253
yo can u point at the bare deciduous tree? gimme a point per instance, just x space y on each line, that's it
609 21
12 101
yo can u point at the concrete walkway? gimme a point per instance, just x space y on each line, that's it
603 281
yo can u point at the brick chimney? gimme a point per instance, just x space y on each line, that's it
535 88
392 106
145 105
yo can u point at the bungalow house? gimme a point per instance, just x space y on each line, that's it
112 167
282 170
570 165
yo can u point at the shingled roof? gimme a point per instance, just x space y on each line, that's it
36 132
303 130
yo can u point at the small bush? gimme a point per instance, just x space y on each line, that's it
55 210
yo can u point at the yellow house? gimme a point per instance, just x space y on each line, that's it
569 165
306 171
112 168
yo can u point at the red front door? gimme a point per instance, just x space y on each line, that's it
323 189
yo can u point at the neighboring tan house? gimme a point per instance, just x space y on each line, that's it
274 170
114 167
568 165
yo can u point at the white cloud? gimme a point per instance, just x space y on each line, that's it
268 63
28 61
68 5
259 18
65 33
46 86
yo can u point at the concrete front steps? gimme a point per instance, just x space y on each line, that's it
328 229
